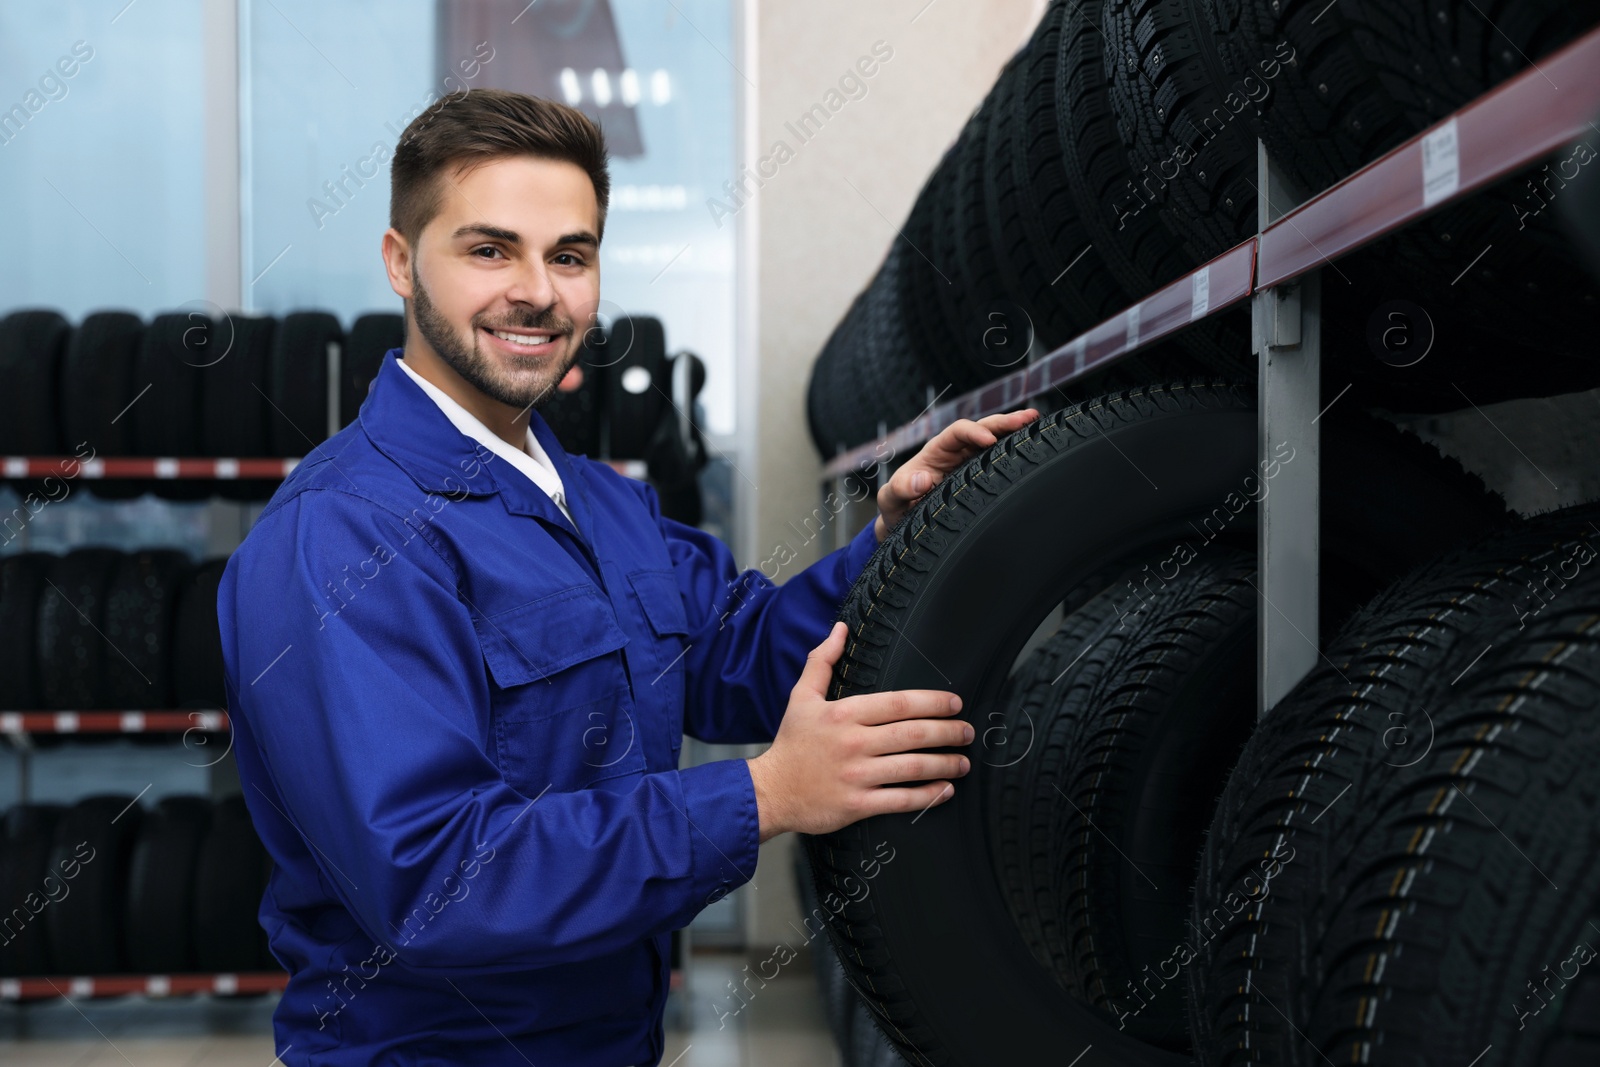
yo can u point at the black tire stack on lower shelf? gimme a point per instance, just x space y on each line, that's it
99 628
105 886
1117 150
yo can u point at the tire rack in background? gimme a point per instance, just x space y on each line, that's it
1513 125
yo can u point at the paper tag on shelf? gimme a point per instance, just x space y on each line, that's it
16 467
10 989
1133 326
1200 293
133 722
66 722
1441 164
158 985
82 987
10 722
225 983
166 467
227 468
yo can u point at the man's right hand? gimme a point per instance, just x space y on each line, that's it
834 762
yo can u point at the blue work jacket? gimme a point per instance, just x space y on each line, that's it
457 721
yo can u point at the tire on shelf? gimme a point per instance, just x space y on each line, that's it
964 581
1174 106
1325 765
1022 750
1033 222
197 673
99 380
71 646
230 869
32 343
29 885
141 606
1355 81
158 923
94 838
371 337
1163 710
298 418
22 580
234 411
1132 243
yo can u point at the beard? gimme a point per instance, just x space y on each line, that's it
485 372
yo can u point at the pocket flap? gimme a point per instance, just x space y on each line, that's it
662 601
548 634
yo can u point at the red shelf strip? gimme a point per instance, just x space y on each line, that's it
162 467
111 722
154 985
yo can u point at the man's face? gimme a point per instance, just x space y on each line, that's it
511 250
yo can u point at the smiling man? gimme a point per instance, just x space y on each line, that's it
461 661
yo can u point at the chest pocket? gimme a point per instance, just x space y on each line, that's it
563 716
661 675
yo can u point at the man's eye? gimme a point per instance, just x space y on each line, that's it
568 255
485 248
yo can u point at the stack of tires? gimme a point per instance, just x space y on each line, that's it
105 886
101 628
1398 865
1118 150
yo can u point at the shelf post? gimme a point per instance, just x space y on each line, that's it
1286 335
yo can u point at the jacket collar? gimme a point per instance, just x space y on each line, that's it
406 425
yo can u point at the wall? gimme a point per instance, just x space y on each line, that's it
823 222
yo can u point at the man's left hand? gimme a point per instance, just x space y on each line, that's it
956 444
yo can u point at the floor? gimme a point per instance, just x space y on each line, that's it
783 1026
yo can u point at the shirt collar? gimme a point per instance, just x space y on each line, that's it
405 424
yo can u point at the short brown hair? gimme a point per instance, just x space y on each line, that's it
479 125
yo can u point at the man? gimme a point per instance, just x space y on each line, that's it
460 661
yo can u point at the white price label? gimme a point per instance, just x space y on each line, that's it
1441 164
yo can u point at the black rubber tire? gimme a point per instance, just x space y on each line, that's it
238 384
1343 730
371 337
638 386
141 605
96 834
158 921
825 965
71 645
1033 222
1166 699
197 672
1179 119
1364 75
26 835
99 380
1449 936
173 356
297 421
962 582
229 872
1018 756
233 395
1133 244
32 343
929 275
21 584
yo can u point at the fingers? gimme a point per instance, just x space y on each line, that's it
874 709
912 734
915 767
820 661
915 798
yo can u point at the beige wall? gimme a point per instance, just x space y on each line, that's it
824 221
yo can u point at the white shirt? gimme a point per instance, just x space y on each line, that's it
534 461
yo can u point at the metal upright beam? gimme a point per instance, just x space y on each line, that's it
1286 334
